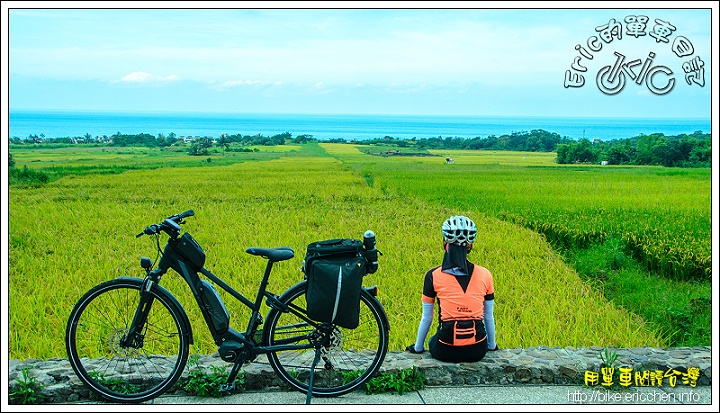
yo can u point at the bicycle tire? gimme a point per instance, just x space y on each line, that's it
127 375
354 356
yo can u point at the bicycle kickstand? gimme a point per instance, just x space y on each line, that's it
229 385
312 375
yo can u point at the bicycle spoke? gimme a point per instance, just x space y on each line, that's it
97 328
349 357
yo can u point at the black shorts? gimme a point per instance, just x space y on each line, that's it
457 354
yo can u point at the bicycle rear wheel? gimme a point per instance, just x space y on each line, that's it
98 323
350 357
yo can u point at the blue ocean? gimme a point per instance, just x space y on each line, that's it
56 124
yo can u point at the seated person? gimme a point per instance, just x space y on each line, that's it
465 295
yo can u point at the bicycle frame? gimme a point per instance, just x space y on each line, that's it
233 346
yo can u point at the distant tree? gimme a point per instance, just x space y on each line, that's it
576 152
671 153
280 138
644 146
622 154
172 139
561 155
201 147
305 138
224 141
701 153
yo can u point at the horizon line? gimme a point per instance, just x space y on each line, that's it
212 112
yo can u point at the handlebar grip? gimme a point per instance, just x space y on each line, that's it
179 217
172 225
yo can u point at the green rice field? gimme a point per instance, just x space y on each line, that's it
534 218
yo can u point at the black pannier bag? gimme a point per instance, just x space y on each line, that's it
334 270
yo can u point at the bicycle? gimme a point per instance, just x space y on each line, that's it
128 339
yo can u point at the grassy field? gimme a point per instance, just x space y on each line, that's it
640 235
77 231
60 160
663 212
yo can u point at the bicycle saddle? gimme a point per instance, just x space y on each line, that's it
272 254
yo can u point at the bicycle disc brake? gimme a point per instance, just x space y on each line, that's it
116 347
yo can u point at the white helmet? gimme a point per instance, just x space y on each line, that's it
459 230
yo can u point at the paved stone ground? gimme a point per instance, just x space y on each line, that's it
681 366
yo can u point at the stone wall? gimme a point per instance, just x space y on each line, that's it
534 365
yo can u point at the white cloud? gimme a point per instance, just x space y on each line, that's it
144 77
137 77
246 83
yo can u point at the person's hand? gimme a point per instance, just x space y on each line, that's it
494 349
411 348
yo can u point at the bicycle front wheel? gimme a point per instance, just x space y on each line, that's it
349 357
96 327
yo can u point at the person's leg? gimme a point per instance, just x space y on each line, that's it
476 352
443 352
438 350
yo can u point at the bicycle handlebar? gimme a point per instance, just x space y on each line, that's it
171 225
179 217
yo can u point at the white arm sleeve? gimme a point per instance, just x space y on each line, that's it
489 321
424 327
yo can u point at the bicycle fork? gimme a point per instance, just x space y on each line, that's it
134 337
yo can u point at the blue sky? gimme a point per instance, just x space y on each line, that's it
461 61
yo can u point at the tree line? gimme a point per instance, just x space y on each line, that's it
195 146
537 140
682 150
